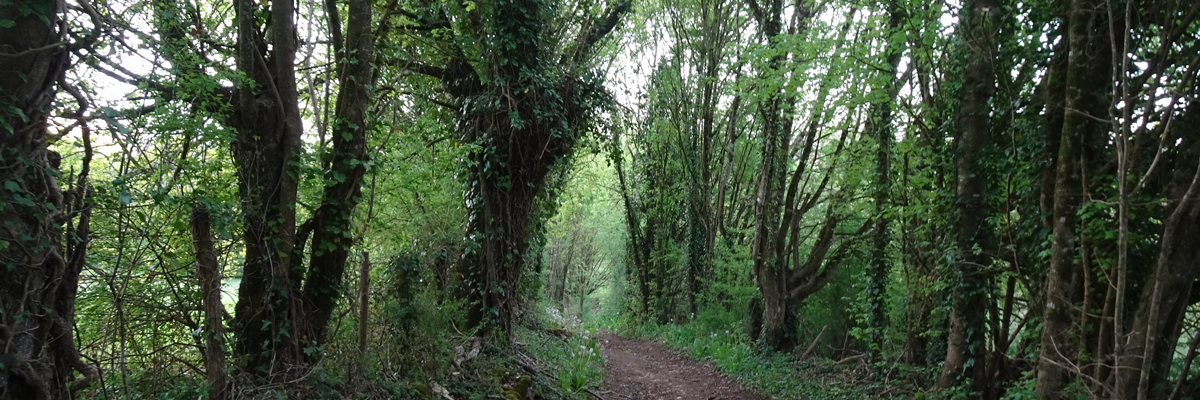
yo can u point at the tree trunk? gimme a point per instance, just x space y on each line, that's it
918 274
281 313
768 201
966 352
698 250
783 280
208 272
714 18
770 277
332 235
521 140
39 282
264 148
364 309
572 252
729 156
1064 280
637 245
879 127
561 287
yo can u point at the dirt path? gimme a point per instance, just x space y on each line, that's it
643 370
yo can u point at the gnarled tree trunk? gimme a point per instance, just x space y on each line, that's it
38 280
524 128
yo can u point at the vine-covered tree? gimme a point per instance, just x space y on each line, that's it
526 94
966 357
40 264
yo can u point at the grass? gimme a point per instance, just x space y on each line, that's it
573 356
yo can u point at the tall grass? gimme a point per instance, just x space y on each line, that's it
571 354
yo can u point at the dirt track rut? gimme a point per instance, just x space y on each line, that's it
644 370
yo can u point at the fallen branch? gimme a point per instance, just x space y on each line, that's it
851 358
809 350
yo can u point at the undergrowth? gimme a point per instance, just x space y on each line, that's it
418 351
568 350
428 361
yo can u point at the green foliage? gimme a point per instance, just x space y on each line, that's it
403 274
152 384
575 360
583 207
838 311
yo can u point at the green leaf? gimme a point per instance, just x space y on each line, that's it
12 186
7 23
125 198
110 116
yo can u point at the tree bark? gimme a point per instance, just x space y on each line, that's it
364 309
38 283
879 127
208 272
637 244
281 313
966 352
729 155
332 234
522 137
1082 100
264 149
778 322
712 39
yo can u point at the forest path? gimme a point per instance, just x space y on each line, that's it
644 370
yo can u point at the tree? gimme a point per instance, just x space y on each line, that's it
282 309
283 303
639 237
1088 62
208 271
965 355
784 279
1028 178
524 107
879 127
40 274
